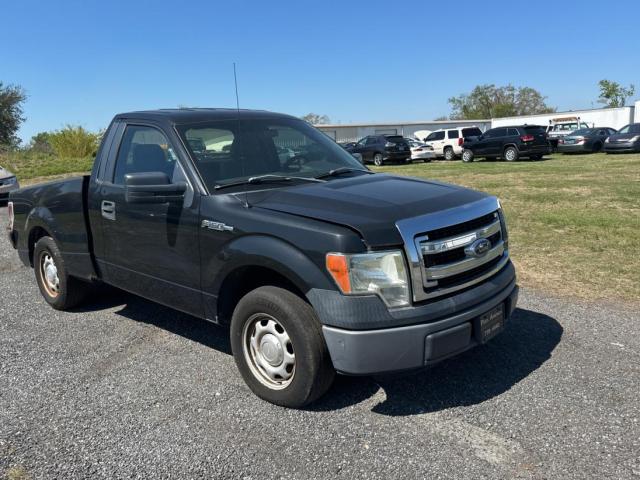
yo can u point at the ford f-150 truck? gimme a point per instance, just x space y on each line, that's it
316 264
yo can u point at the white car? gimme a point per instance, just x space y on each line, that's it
420 150
447 142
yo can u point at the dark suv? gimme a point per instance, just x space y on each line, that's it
381 148
509 143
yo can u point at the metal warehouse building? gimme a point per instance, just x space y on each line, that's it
600 117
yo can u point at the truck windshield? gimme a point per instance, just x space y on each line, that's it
224 153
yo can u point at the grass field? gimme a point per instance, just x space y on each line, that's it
574 220
30 165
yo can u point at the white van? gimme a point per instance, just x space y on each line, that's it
448 142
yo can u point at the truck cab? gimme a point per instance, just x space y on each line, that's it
315 264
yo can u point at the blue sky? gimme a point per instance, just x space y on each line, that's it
83 61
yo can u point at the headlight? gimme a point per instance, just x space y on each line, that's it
10 181
380 273
607 140
634 139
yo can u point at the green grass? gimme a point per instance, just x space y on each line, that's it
574 220
32 165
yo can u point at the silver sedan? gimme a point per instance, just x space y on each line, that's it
8 183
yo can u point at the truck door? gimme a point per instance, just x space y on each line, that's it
150 249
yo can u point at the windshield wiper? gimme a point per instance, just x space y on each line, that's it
269 178
339 171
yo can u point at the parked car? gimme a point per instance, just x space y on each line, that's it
627 139
447 143
382 148
421 135
315 264
420 150
508 143
8 183
585 140
561 127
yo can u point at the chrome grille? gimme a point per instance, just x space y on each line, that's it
448 262
441 257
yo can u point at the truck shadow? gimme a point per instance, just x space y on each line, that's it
471 378
145 311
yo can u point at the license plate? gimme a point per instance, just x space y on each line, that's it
491 323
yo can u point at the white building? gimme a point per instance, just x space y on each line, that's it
600 117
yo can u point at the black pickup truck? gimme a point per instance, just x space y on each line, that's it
258 221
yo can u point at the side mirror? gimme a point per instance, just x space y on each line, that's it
152 187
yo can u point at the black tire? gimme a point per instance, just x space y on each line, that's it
313 372
535 157
378 159
510 154
467 156
449 154
70 291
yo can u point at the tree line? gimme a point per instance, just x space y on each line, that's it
484 101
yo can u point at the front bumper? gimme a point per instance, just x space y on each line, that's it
384 350
622 147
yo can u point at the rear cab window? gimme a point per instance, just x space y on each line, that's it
471 132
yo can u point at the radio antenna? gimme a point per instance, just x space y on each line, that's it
240 146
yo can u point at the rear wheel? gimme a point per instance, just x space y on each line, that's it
279 348
60 290
378 160
467 156
448 153
510 154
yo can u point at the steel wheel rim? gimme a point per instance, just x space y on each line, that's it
466 156
49 274
377 159
268 351
448 155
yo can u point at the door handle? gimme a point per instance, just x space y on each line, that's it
108 210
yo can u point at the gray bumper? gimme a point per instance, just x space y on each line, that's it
365 352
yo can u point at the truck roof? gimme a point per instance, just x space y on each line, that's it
195 115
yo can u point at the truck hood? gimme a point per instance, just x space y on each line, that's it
368 204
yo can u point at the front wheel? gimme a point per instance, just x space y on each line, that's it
467 156
378 160
279 348
510 154
60 290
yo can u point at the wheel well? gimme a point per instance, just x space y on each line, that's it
34 235
510 145
241 281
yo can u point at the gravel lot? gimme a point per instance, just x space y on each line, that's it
127 388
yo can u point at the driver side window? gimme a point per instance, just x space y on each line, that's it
145 149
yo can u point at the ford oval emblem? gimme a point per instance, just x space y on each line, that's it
478 248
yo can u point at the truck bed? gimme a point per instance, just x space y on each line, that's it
57 209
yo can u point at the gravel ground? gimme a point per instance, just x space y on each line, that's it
127 388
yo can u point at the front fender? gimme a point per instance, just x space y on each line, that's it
264 251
